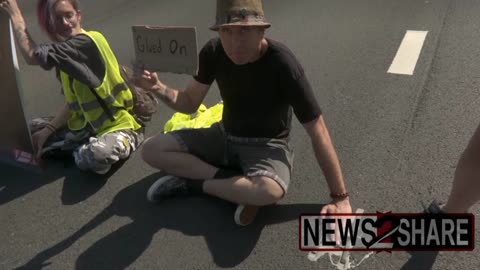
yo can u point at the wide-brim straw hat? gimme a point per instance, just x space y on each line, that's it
240 12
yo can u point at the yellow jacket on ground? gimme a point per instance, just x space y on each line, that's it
203 118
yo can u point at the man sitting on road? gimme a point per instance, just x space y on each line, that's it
246 158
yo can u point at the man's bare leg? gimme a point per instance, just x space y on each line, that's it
165 153
248 193
466 185
242 190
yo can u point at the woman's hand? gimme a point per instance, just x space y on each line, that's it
10 6
39 138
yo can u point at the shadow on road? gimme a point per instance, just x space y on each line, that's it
420 260
195 216
78 186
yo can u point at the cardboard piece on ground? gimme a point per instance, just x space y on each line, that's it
15 134
166 49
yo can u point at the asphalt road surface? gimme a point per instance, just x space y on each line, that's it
399 138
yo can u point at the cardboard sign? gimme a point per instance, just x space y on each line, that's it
166 49
15 133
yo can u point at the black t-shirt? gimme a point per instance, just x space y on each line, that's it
78 56
258 96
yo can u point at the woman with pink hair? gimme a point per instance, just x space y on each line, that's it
46 17
96 124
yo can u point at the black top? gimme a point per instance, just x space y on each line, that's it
258 96
78 56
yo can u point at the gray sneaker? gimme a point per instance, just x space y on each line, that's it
166 187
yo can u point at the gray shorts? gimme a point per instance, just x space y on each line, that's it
268 157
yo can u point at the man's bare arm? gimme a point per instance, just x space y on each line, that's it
326 155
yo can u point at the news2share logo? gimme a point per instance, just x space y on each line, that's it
387 232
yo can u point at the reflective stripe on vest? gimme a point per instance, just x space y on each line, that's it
109 100
97 123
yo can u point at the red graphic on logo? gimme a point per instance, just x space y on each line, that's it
384 229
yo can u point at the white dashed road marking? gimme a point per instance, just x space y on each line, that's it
407 55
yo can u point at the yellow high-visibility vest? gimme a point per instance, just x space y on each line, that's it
84 106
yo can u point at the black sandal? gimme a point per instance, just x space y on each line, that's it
434 208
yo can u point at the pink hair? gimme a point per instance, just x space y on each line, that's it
46 17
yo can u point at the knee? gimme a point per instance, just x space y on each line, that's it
90 157
150 150
154 148
147 151
268 190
